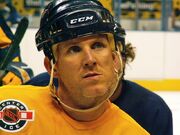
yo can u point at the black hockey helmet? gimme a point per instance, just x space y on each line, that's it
63 20
119 36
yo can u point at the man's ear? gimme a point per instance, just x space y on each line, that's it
48 67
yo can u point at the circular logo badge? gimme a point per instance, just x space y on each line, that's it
14 115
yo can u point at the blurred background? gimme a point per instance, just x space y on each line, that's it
133 14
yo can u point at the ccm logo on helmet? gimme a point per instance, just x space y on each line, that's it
81 19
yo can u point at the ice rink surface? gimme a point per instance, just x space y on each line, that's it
173 101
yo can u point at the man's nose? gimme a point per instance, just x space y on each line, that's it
89 59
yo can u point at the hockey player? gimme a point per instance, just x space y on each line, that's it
146 107
77 39
14 71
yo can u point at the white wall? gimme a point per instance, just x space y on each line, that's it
30 54
149 61
157 54
172 57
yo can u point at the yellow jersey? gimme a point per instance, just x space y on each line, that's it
30 110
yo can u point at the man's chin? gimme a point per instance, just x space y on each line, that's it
97 97
95 92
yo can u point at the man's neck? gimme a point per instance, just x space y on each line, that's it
87 115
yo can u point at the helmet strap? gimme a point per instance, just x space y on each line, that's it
52 73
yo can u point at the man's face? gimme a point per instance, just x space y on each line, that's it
85 68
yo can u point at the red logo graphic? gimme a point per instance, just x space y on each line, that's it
14 115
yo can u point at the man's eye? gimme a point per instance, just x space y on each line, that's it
74 49
98 45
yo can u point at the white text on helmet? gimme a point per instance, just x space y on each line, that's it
81 19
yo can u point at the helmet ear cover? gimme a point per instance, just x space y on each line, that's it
119 38
72 22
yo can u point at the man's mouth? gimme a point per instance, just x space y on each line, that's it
91 74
